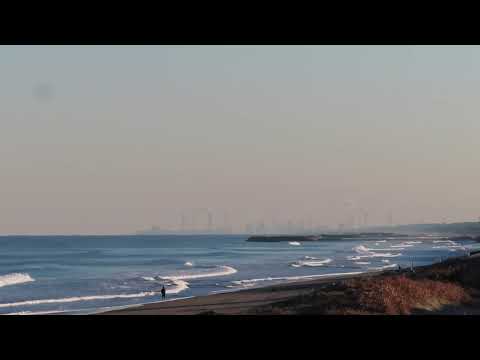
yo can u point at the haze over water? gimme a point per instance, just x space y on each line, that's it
113 139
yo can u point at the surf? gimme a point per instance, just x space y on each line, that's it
365 252
223 270
14 279
291 278
311 263
179 281
78 298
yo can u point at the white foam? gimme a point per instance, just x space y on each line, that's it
369 253
360 249
362 262
188 263
177 283
295 243
180 285
413 242
311 263
389 266
288 278
385 261
222 271
445 241
37 312
15 278
78 298
382 241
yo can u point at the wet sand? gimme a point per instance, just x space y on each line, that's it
229 303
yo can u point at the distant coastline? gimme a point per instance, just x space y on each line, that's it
459 229
322 237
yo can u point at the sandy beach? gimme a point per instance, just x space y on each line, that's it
449 287
228 303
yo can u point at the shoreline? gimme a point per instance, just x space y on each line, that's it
271 299
295 283
203 300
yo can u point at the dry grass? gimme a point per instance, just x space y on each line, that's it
427 290
400 295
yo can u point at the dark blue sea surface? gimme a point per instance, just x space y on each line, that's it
84 274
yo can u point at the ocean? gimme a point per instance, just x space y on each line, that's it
88 274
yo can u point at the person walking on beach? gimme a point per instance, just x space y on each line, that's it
163 292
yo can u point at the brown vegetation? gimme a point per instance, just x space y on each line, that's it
400 295
391 295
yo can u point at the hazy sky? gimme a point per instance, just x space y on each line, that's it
113 139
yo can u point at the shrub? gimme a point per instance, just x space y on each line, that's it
400 295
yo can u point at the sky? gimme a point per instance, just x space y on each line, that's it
114 139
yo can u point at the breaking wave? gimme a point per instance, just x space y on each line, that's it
402 246
178 286
445 241
177 283
78 298
311 263
221 271
37 312
15 278
288 278
295 243
369 253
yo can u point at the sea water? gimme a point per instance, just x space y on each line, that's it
85 274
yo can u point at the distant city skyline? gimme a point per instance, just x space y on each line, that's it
201 222
115 139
